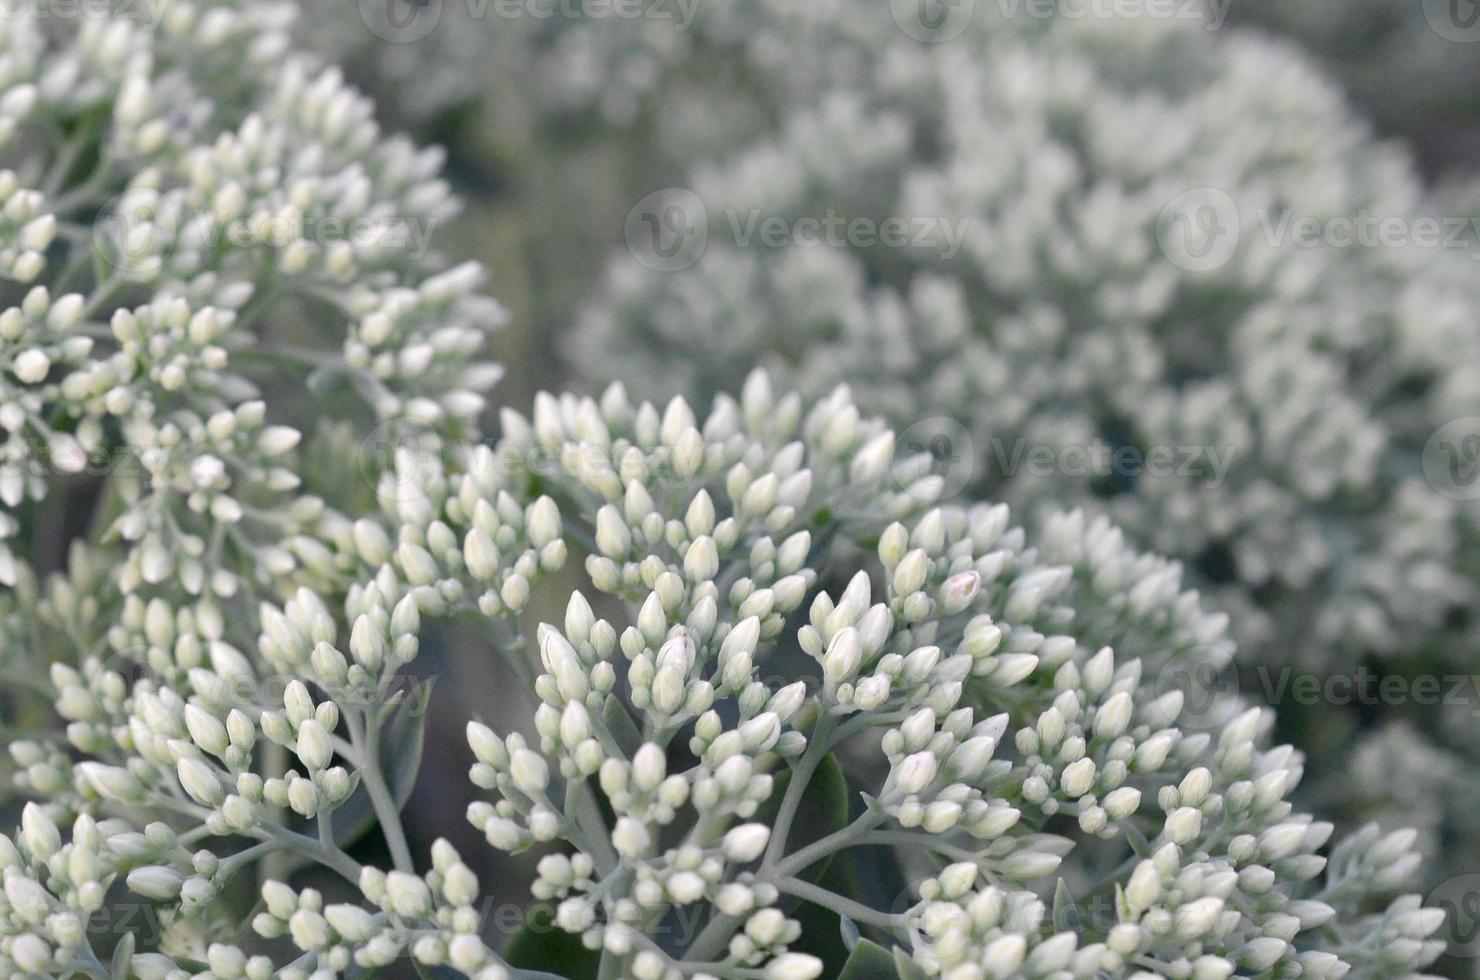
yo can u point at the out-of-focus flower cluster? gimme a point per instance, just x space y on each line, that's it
1407 65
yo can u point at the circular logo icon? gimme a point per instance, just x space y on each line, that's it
1210 696
1454 20
1459 899
932 21
1199 229
400 21
137 232
951 453
1451 459
393 457
667 230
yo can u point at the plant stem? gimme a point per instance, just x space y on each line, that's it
856 911
386 811
801 775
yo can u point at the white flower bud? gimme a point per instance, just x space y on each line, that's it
1114 715
156 882
843 657
200 782
794 966
630 838
530 773
1078 778
745 843
916 772
408 894
31 366
1197 917
1144 886
649 767
314 746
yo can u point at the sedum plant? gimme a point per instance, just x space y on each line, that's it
1100 297
202 224
207 245
789 674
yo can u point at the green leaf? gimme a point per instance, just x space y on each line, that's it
542 945
619 722
1065 913
402 744
822 936
869 961
823 811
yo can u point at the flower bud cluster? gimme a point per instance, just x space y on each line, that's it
51 889
690 724
1120 314
195 185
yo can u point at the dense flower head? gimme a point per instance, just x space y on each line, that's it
1099 295
190 201
210 251
800 698
785 650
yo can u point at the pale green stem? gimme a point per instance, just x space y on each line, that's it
386 811
856 911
